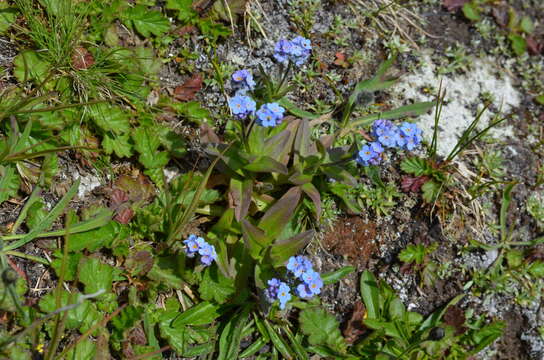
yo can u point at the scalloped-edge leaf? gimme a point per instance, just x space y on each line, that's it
322 328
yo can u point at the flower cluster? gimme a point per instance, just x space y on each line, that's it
242 106
243 81
278 290
194 245
302 269
270 115
296 51
407 136
370 154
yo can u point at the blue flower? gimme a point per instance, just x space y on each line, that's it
242 106
313 282
284 294
298 265
297 50
207 254
370 154
243 80
270 115
412 135
303 291
272 291
192 245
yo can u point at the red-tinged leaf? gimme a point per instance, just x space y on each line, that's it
82 59
254 238
188 90
279 214
124 215
139 263
282 250
453 5
274 146
413 184
118 197
341 60
240 195
187 29
354 326
534 47
455 317
267 165
207 135
501 15
310 190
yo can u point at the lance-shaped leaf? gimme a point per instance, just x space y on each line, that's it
303 142
240 194
340 174
310 190
254 238
282 250
292 127
266 164
201 314
255 140
276 145
299 179
279 214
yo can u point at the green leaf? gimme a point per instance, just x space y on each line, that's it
471 11
72 264
126 319
98 238
229 342
149 63
215 286
337 275
147 143
165 271
279 214
148 22
282 250
293 109
537 269
415 166
110 118
370 294
526 25
519 45
9 183
183 7
28 65
266 164
486 336
95 275
200 314
279 343
85 350
81 317
322 328
48 220
120 145
413 253
8 15
431 190
255 239
7 303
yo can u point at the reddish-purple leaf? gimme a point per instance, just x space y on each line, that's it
413 184
82 59
453 5
118 197
188 90
124 215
